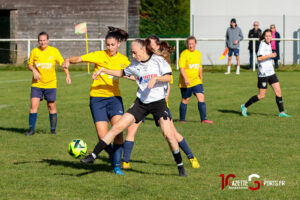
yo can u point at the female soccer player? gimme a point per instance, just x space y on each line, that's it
42 63
191 80
163 49
266 74
152 74
105 100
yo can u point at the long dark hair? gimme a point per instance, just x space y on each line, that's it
262 37
116 33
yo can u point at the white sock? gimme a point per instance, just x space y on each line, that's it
228 68
94 156
238 69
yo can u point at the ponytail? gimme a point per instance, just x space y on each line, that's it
116 33
165 50
146 44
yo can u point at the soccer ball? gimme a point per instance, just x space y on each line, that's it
77 148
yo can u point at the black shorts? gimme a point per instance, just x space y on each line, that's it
262 82
140 110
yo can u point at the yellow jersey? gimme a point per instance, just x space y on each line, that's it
44 62
106 85
191 63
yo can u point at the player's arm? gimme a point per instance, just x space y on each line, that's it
164 79
36 74
117 73
201 73
168 93
261 58
184 76
68 77
72 60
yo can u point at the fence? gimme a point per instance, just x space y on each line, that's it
71 47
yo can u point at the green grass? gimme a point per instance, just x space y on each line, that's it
39 167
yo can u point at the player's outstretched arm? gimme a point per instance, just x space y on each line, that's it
72 60
117 73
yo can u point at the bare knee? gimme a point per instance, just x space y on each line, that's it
261 96
185 101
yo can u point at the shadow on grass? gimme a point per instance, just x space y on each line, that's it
239 112
89 168
22 130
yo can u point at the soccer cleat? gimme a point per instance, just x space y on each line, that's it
88 159
181 171
118 171
226 73
207 121
31 132
194 162
283 114
53 132
244 110
237 73
125 165
182 121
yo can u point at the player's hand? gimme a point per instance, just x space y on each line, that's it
273 55
152 82
187 82
96 74
235 42
36 75
68 80
66 64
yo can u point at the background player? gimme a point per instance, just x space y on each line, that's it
42 63
266 74
191 80
105 99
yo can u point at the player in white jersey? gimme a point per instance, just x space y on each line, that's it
152 74
266 74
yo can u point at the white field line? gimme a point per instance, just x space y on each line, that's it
22 80
4 106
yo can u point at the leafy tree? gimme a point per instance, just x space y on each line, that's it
165 18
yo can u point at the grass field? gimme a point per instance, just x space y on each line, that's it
38 167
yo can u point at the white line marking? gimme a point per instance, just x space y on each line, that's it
4 106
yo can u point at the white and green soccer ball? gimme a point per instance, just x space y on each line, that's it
77 148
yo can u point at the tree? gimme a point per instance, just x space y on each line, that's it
165 18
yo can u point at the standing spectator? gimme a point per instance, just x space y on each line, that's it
233 37
275 44
253 33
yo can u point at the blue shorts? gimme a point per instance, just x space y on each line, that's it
187 92
170 114
235 51
104 108
43 93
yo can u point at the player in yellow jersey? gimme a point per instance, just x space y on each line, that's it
191 79
105 99
42 63
163 49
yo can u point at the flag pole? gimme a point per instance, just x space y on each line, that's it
87 49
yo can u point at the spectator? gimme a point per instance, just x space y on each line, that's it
233 37
254 33
275 44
